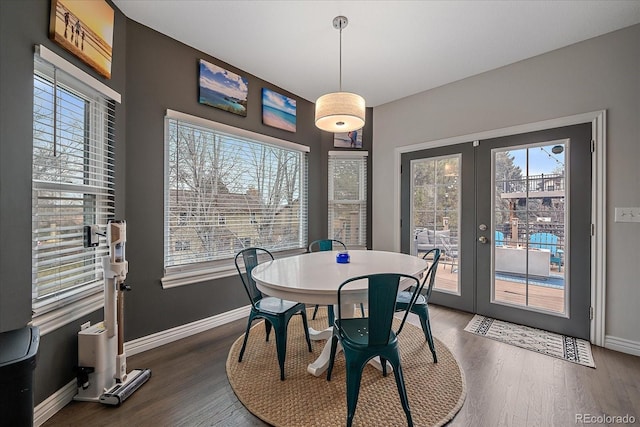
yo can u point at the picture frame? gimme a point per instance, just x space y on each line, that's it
84 28
223 89
348 139
278 111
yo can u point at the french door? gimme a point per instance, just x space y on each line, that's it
512 216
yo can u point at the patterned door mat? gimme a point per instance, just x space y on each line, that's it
561 346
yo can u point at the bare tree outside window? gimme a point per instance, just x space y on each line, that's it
225 193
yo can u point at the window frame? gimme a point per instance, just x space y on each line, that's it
185 274
69 304
362 157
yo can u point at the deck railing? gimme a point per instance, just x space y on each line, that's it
532 184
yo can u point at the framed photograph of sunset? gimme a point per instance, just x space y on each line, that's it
84 28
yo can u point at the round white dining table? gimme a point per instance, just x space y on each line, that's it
314 278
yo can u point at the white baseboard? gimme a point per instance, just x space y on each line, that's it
622 345
54 403
170 335
64 396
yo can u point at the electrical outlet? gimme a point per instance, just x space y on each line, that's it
627 215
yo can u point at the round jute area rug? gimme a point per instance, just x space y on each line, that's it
436 391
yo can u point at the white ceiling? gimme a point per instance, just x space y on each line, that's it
390 49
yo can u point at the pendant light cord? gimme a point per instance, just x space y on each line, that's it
340 86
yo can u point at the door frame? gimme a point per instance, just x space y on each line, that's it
598 120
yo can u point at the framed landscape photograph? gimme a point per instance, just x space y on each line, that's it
223 89
84 28
278 110
351 139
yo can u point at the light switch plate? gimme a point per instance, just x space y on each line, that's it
627 215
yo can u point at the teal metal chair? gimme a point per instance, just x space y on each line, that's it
275 311
421 304
327 245
498 239
365 338
547 241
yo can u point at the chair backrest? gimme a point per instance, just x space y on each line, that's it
429 277
325 245
383 289
544 241
498 239
250 258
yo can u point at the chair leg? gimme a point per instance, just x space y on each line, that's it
267 327
362 309
354 375
432 345
402 391
423 314
332 356
281 344
330 315
305 324
315 311
383 362
246 336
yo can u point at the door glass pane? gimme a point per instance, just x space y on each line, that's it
435 215
529 223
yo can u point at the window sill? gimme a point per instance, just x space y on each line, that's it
59 317
172 280
194 275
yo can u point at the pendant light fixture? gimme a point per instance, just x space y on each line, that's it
340 111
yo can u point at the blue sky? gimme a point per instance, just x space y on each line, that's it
541 159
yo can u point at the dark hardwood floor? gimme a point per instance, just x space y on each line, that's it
506 385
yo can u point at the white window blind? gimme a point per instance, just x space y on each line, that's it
348 197
73 185
226 191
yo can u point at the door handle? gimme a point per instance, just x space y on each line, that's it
482 239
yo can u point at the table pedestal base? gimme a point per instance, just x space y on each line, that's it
321 364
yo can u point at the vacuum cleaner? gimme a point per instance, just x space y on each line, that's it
102 363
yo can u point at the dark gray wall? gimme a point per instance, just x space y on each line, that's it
162 74
16 53
23 24
152 73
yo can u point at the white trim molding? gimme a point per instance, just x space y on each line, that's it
622 345
221 127
598 197
69 68
152 341
57 318
52 404
343 153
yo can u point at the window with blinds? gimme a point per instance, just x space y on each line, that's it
73 185
348 197
226 189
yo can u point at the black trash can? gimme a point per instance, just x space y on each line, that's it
18 349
